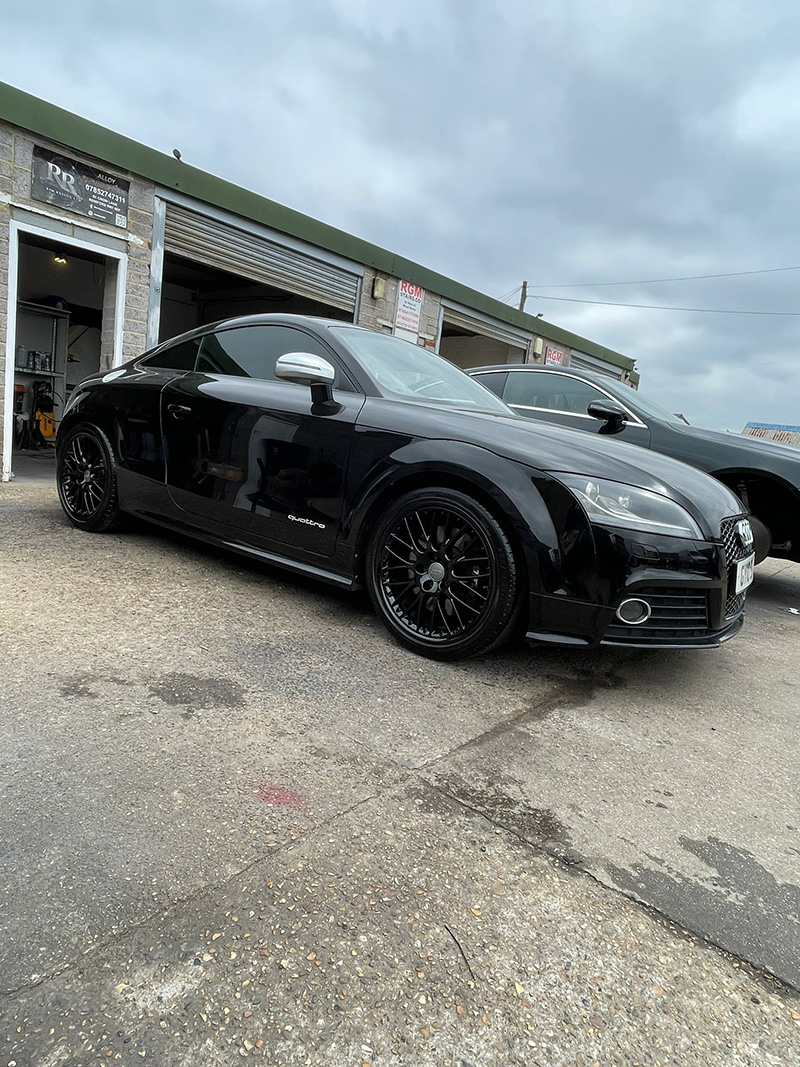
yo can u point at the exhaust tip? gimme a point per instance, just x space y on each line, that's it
634 611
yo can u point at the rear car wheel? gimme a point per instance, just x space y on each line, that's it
442 576
87 480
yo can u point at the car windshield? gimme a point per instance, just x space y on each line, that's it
404 370
644 405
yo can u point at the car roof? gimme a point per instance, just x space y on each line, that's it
592 376
267 319
262 319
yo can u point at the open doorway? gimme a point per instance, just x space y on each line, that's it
63 327
467 348
195 295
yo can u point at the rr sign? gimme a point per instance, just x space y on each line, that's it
73 186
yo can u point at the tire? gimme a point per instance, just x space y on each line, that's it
762 538
433 597
86 476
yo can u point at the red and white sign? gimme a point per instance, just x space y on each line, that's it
409 311
552 355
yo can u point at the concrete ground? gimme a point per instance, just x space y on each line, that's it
237 821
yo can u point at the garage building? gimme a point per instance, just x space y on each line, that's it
107 247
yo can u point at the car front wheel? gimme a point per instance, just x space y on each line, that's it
87 479
442 576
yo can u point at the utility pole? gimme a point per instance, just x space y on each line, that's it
523 296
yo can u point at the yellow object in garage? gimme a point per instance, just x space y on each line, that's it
46 425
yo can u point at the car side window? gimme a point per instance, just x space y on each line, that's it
494 380
553 392
253 351
177 357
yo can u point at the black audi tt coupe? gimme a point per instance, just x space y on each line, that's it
361 459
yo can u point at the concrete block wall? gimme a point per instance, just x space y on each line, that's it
16 154
378 313
429 321
140 248
544 343
468 352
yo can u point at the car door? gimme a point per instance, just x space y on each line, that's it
563 398
134 398
246 450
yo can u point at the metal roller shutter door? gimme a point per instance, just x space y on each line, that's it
598 367
217 244
495 330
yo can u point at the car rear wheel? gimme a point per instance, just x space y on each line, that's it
442 576
87 480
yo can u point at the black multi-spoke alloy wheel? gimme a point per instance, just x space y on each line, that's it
87 479
441 574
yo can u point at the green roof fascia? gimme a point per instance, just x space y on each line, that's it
54 123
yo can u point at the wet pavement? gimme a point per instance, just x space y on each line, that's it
237 821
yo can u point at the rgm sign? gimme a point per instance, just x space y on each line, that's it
409 311
552 355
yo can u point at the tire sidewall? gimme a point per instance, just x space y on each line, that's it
491 630
107 514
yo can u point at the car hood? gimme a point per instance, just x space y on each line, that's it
559 449
770 450
556 449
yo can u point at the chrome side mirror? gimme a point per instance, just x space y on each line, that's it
304 368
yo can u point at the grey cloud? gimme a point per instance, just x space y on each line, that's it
557 142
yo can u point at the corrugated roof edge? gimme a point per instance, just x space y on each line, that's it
40 117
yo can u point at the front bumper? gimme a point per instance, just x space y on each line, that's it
688 585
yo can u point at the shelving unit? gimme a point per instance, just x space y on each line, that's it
42 329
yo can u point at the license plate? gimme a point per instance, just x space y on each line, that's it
744 573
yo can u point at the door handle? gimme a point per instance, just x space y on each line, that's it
179 410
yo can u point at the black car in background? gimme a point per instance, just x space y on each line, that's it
360 459
765 475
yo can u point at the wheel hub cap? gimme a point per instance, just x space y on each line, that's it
437 573
82 476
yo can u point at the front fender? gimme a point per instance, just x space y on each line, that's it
514 492
85 405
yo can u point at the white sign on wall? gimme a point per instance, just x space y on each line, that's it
409 311
552 355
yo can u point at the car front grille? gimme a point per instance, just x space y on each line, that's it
679 616
688 615
734 552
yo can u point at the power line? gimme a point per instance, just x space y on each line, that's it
745 364
663 307
653 281
508 296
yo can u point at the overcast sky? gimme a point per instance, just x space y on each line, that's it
562 141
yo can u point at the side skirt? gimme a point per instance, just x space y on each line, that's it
273 558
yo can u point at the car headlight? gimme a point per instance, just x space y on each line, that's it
617 504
